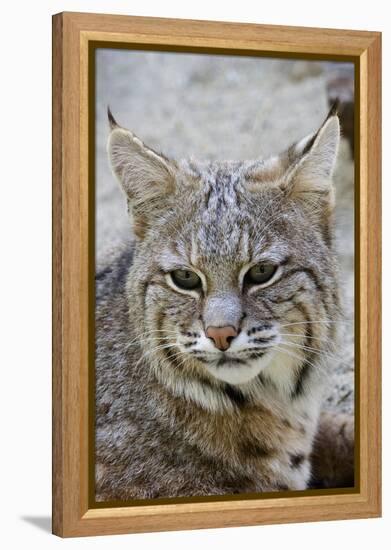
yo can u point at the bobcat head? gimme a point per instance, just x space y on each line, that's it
234 276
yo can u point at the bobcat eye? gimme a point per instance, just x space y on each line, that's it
260 273
185 279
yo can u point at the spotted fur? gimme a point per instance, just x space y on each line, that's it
174 415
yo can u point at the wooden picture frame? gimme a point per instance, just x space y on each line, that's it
74 36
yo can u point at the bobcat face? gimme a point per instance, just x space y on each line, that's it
224 284
234 264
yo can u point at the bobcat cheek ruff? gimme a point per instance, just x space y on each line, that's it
217 333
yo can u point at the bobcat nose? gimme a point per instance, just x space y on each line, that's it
222 336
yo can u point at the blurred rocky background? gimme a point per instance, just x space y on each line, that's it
220 107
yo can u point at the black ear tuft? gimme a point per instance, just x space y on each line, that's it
112 121
334 110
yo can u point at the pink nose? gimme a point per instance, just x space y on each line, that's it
221 336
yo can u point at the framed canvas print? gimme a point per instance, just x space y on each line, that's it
216 268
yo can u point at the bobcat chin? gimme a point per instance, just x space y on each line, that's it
216 329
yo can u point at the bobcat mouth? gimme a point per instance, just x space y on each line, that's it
226 360
235 369
229 360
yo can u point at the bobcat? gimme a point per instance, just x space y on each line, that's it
215 330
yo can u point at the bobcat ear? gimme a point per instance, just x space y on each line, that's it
312 160
145 176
